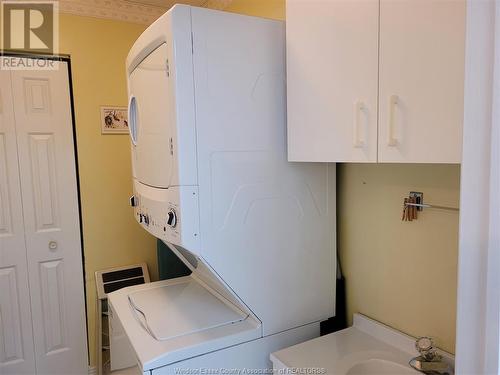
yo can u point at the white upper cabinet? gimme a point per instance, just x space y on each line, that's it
422 57
332 65
351 62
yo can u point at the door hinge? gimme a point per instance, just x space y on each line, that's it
167 68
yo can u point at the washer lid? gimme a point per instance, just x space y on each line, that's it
183 308
152 353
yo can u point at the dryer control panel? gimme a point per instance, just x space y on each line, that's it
168 214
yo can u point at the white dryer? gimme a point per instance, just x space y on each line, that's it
212 180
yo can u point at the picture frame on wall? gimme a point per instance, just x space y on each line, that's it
114 120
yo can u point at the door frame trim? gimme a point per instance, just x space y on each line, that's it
478 302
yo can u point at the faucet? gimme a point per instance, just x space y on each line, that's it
429 361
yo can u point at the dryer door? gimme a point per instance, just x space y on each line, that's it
152 120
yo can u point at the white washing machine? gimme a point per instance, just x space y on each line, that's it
212 180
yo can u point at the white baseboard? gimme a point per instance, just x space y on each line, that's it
92 370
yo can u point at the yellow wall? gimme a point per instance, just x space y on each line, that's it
98 49
402 274
262 8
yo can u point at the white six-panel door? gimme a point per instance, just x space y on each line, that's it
48 180
16 336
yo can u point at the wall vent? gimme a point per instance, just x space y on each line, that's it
112 279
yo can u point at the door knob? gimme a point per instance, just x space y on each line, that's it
52 245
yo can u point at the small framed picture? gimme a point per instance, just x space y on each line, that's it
114 120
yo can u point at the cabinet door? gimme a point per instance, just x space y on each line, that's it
422 52
50 202
16 336
332 72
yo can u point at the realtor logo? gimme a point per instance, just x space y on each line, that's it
29 27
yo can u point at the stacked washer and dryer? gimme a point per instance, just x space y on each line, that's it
207 118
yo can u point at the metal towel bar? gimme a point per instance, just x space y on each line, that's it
419 205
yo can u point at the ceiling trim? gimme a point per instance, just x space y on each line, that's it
123 10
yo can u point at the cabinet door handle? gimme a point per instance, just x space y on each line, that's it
359 109
393 102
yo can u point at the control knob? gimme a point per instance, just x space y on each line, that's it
172 218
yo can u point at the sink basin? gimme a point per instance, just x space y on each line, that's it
366 348
380 366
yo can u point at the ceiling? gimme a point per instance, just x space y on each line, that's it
136 11
167 4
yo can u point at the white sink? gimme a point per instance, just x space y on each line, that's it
380 366
366 348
